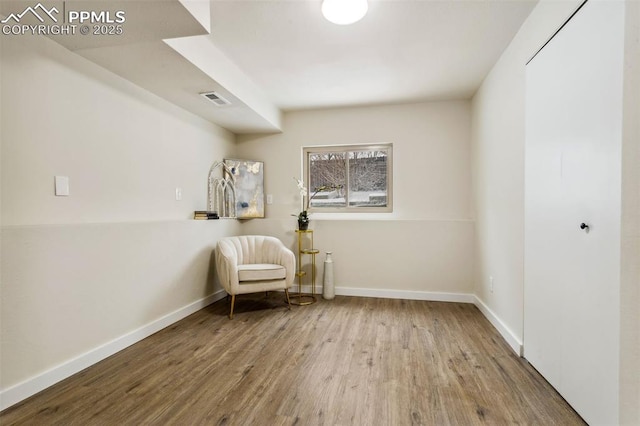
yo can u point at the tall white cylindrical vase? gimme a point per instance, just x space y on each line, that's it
328 286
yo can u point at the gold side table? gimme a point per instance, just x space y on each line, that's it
305 247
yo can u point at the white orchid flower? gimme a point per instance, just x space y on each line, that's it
303 190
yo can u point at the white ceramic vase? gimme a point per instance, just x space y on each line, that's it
328 286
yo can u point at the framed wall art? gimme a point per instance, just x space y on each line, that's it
249 187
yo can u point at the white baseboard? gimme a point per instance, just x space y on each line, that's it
21 391
505 332
393 294
406 294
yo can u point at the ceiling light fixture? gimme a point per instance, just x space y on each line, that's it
344 12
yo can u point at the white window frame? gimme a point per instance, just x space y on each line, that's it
388 147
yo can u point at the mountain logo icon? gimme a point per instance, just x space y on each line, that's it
38 11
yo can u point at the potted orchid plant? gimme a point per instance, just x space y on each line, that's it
303 216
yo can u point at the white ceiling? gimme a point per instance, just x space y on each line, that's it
269 56
400 51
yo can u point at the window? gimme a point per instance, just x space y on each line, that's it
353 178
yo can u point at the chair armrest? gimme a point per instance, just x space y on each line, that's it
227 267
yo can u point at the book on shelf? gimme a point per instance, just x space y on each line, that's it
205 215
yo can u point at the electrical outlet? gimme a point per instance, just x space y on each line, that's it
178 194
62 186
269 199
491 284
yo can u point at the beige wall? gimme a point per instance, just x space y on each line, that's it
498 167
630 232
425 245
120 252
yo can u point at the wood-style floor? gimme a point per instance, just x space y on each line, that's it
350 361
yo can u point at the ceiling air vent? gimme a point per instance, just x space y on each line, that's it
216 99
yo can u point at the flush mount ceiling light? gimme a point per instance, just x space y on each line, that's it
344 12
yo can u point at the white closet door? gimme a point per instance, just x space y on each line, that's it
573 167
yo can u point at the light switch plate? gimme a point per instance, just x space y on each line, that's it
269 199
62 186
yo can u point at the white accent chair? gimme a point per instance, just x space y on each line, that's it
254 263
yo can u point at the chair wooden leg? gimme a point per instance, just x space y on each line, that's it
233 302
286 291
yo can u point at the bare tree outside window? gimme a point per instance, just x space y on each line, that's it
359 177
328 169
368 178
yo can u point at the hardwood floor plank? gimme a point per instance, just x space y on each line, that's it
349 361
